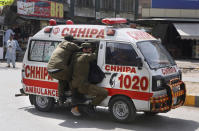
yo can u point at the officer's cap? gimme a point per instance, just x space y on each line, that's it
86 45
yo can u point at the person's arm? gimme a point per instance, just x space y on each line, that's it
92 56
12 32
8 45
17 46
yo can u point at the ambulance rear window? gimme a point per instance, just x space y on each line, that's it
41 50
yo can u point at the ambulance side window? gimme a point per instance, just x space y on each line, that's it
41 50
120 54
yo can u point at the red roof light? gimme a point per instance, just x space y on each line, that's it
111 21
52 22
69 22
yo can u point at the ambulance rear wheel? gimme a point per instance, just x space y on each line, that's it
122 109
43 103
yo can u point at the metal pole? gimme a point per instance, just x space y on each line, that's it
72 6
117 7
136 9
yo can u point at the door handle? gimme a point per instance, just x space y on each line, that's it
107 73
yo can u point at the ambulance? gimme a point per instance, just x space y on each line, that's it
141 76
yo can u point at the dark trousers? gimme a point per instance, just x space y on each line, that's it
63 86
99 93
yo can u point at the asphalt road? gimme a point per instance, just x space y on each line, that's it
16 114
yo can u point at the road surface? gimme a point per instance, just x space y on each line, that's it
17 114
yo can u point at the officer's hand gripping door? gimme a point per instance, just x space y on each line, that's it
119 62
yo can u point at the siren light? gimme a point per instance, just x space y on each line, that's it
52 22
69 22
112 21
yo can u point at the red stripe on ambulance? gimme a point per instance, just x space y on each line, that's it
53 85
132 94
38 83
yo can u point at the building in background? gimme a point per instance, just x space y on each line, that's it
29 16
91 11
175 22
142 5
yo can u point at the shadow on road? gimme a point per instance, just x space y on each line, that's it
104 121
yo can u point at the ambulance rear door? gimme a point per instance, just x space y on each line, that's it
35 75
119 62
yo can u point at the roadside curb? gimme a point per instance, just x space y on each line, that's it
192 100
190 68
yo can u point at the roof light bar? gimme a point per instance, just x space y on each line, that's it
112 21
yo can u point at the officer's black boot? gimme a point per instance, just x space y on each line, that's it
88 110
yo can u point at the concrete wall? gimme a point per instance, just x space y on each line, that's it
129 15
173 13
84 12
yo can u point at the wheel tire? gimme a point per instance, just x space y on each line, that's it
122 109
43 103
31 99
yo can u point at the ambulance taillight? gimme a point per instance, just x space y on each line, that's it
52 22
112 21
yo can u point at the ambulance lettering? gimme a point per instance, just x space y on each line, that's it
36 72
41 91
56 30
127 81
37 81
115 68
134 82
84 32
139 35
169 70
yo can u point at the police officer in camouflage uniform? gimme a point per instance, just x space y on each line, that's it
59 65
81 65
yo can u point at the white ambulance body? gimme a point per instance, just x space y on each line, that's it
140 74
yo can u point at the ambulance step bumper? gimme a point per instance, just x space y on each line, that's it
171 100
22 93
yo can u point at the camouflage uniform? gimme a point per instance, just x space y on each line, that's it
80 77
60 60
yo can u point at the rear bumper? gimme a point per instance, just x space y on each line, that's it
171 100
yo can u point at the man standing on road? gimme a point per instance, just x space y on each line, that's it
6 38
11 51
7 35
81 65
